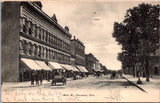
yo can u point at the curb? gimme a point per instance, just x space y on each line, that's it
135 84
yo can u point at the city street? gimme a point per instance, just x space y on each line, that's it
86 89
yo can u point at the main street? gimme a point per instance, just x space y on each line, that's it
89 88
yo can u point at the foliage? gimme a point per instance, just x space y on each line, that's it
138 34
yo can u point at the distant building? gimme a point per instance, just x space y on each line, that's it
90 62
78 54
155 62
28 32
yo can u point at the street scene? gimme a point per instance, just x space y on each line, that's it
104 88
65 51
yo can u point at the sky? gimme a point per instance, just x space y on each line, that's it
92 23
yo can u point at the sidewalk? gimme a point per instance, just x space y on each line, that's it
149 87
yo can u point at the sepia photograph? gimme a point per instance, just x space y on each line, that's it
80 51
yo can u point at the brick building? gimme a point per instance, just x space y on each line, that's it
29 34
78 54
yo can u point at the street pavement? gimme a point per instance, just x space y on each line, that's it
91 89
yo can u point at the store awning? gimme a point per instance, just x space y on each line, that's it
80 69
75 69
67 67
42 65
31 64
54 65
83 68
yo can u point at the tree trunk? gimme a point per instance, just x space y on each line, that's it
147 70
133 68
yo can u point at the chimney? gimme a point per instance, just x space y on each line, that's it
66 28
54 17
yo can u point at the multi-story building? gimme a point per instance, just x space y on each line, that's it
78 53
28 32
90 62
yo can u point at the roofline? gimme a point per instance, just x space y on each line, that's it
48 18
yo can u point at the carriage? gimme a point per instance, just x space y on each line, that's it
58 76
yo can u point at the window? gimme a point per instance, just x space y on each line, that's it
33 30
39 33
24 25
36 50
21 24
44 35
33 51
39 52
30 27
53 55
42 51
46 53
27 48
30 48
21 47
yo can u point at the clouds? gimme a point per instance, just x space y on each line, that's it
92 23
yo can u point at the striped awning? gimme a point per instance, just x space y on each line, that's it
31 64
55 65
42 65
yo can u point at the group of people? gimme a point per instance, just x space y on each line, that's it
36 76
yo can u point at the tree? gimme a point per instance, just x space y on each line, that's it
139 33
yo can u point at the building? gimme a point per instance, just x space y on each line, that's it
78 54
155 62
91 62
30 34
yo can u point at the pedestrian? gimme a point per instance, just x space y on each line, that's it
32 77
37 78
41 77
